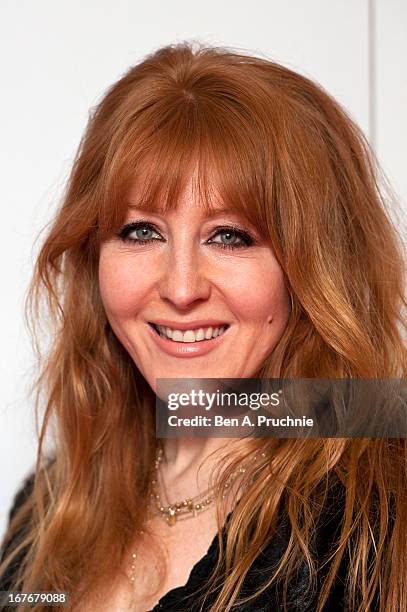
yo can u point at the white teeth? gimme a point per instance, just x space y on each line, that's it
200 335
208 333
177 335
190 335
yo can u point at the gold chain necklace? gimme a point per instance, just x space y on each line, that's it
184 509
188 507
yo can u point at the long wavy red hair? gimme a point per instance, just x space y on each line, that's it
281 151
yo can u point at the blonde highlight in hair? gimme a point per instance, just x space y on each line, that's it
276 147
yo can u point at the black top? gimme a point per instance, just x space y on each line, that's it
298 599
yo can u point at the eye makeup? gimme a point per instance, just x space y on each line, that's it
245 240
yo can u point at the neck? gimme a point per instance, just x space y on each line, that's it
185 454
188 464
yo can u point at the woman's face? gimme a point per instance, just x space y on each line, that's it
186 277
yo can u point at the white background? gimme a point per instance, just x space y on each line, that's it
58 57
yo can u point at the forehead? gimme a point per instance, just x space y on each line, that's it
191 200
198 186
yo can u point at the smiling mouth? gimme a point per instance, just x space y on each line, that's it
189 336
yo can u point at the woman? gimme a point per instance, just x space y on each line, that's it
222 220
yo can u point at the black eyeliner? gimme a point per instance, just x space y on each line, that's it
247 239
128 227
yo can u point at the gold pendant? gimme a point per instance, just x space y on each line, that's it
172 516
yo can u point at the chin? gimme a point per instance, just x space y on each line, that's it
181 373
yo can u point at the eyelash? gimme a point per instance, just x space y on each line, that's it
130 227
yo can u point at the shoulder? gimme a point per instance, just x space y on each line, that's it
22 494
26 488
13 538
16 533
302 594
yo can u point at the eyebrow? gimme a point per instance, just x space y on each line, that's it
208 214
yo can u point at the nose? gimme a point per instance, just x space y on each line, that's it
184 279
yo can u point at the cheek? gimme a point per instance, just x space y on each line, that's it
259 292
119 285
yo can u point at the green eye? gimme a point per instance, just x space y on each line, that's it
141 230
228 237
233 238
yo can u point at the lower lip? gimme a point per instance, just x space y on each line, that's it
186 349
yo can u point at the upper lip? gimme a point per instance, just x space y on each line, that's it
189 324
